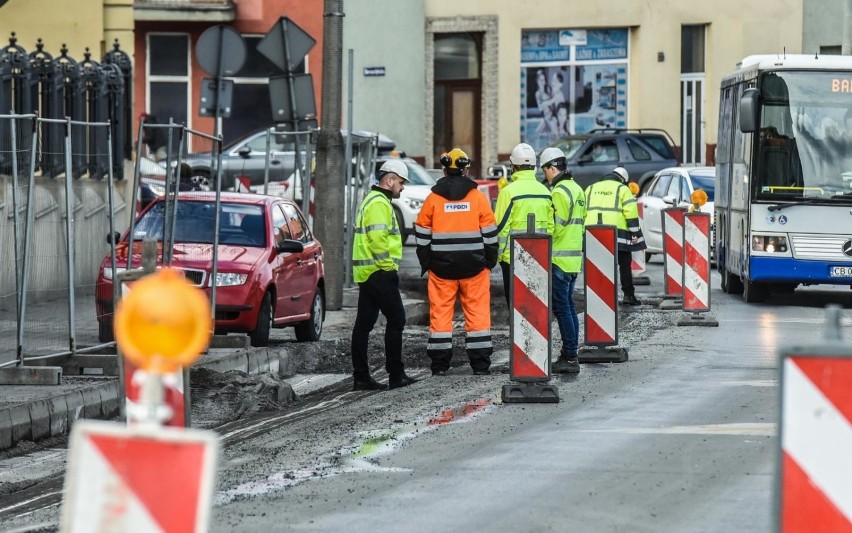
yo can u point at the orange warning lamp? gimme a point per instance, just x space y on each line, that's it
634 187
163 323
698 198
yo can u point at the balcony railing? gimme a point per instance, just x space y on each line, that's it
184 10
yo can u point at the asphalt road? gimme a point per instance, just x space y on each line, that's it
680 438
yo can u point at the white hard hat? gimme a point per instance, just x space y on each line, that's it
621 173
523 154
395 166
550 155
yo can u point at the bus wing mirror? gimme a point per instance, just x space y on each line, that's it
748 111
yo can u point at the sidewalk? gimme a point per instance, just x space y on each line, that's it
32 413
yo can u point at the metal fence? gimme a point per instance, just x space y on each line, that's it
57 231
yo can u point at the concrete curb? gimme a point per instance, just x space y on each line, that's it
54 415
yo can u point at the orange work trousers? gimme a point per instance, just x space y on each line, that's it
475 294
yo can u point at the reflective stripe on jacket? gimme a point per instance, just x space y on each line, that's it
378 244
617 206
516 200
456 238
569 205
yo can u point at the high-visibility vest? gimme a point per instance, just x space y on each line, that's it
516 200
378 244
617 206
569 204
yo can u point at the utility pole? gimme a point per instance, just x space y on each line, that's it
330 183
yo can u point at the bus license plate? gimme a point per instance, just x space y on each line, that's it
841 272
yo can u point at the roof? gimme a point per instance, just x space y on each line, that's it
229 197
796 61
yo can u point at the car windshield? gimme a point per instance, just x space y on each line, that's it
418 175
706 182
238 223
569 146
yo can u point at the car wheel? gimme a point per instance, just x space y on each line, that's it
311 329
105 333
260 334
731 283
201 181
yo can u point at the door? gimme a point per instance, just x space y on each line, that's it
459 107
692 118
285 270
304 282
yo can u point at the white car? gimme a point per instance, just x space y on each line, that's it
408 205
673 187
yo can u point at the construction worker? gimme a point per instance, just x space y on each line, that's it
612 200
523 196
569 204
376 254
457 243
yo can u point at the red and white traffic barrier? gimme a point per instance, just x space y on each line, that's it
601 296
529 296
813 491
637 262
673 251
174 393
696 270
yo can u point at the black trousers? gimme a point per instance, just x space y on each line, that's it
625 273
379 293
507 279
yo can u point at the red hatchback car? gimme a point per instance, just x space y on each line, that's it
270 267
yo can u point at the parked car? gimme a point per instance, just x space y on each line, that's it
642 152
672 187
270 267
407 206
246 157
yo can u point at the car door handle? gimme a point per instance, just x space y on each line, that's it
275 162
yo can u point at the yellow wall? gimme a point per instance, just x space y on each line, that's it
735 29
77 23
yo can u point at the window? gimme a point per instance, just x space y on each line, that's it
662 185
251 107
457 56
638 153
168 77
692 49
279 222
675 188
298 226
603 151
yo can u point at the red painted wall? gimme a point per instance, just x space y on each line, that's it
252 16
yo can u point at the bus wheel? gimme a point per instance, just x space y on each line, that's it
753 292
731 283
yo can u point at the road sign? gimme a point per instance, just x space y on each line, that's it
813 491
221 51
673 252
279 95
208 98
285 39
696 270
139 479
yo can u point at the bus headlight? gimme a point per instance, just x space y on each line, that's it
769 243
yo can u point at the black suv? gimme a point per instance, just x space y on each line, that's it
642 152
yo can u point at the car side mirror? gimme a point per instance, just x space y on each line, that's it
244 152
113 238
290 246
669 200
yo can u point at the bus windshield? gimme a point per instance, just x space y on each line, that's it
804 149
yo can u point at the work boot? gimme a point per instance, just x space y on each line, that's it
566 365
630 299
439 372
368 384
481 372
400 381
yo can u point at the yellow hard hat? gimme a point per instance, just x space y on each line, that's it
163 323
455 159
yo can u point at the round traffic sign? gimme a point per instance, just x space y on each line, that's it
221 51
163 323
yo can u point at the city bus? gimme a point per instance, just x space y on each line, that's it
783 207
